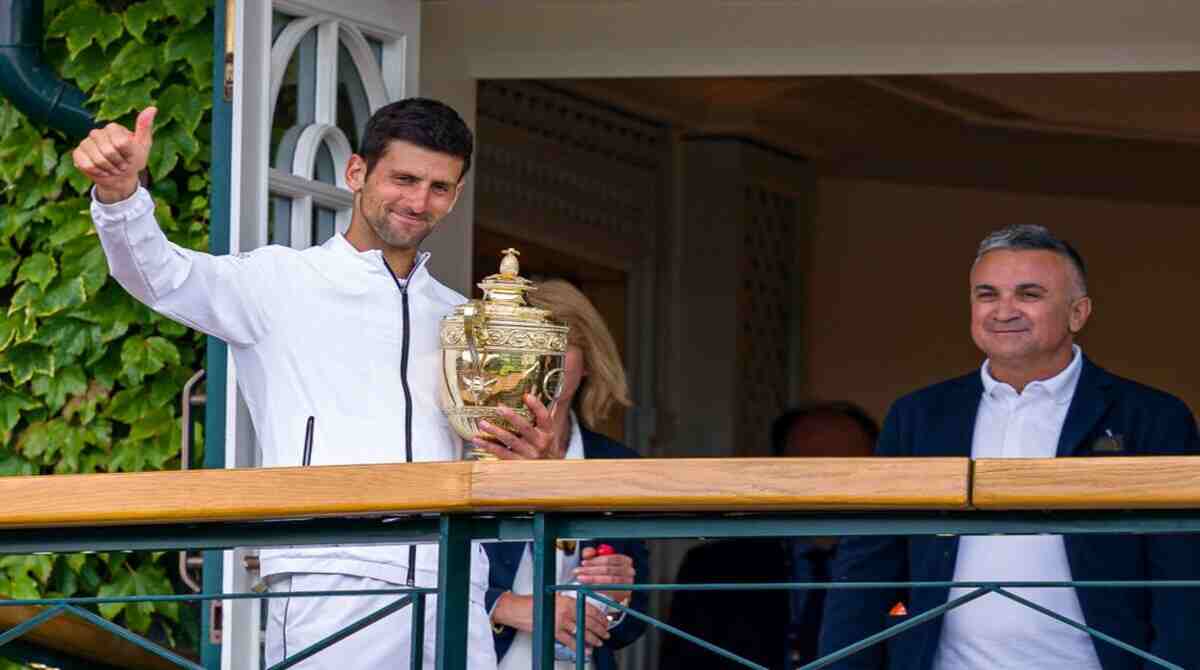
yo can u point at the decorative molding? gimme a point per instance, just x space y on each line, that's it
529 340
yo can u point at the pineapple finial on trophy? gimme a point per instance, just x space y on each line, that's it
509 267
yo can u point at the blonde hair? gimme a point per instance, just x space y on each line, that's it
604 385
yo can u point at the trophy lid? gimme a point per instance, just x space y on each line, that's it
507 286
504 298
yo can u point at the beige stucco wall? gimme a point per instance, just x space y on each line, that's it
887 286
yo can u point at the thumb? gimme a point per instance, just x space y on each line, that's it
144 130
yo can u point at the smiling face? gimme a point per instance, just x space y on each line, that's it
1026 308
407 192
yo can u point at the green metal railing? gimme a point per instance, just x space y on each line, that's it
455 533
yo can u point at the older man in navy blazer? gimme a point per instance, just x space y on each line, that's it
1035 396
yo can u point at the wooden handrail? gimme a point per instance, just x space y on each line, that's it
1145 482
745 484
734 484
648 485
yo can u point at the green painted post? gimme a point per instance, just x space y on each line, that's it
215 353
454 592
418 632
545 533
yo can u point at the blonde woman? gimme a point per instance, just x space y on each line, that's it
593 384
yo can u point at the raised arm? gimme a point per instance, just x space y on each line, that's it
221 296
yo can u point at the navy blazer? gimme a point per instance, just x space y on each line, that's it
505 557
940 421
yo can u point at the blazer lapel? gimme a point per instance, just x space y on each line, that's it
1090 403
954 435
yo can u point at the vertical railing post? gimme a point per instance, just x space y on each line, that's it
545 534
454 592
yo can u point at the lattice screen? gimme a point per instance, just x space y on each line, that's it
765 301
551 159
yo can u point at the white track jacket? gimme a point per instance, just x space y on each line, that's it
323 332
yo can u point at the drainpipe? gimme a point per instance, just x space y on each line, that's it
28 81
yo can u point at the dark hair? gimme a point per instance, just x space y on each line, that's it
782 425
424 122
1032 237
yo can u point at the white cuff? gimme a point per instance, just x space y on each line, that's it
106 214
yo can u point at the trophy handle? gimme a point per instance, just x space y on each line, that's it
475 332
553 380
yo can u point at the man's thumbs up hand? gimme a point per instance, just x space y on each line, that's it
113 156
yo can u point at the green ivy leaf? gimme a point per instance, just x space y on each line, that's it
14 223
69 381
193 47
73 441
84 258
38 269
157 422
86 68
16 329
189 12
84 24
170 146
119 101
69 219
180 103
27 294
12 465
127 456
26 360
134 61
12 404
138 16
69 174
48 159
8 262
142 357
40 440
128 406
63 293
84 405
24 587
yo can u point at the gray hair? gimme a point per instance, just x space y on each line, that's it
1032 237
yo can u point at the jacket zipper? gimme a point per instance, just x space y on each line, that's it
408 407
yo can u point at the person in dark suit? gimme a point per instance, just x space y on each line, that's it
1035 396
593 382
777 629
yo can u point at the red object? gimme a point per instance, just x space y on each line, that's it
898 610
605 550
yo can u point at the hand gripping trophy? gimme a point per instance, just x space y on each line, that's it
496 350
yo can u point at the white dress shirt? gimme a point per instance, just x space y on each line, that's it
993 632
315 332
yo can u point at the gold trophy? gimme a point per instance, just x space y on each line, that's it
496 350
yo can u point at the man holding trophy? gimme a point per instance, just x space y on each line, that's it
345 333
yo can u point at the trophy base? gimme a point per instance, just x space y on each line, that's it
471 453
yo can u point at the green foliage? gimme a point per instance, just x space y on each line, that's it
88 377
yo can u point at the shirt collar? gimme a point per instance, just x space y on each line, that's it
1060 387
373 258
575 444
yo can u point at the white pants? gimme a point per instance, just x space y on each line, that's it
293 624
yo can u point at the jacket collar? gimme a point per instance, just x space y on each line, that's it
372 259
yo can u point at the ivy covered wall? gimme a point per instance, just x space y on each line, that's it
89 378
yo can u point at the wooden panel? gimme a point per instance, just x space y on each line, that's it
80 639
734 484
1087 483
210 495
